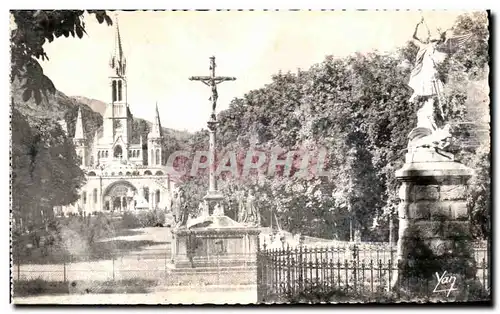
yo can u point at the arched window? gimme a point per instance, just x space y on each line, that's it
113 90
98 154
95 196
157 157
128 173
137 153
84 197
112 173
157 196
118 152
120 173
106 155
146 193
158 173
147 173
119 90
129 153
152 157
91 174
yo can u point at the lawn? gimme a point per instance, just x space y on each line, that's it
75 239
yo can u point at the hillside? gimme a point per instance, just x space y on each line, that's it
94 104
59 107
141 125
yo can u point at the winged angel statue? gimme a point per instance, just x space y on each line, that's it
427 87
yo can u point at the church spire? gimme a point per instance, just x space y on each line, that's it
118 62
156 128
79 134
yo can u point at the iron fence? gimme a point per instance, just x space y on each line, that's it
154 265
363 270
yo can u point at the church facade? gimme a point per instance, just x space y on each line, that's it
121 175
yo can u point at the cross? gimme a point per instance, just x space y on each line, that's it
212 82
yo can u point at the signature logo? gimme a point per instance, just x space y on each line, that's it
446 283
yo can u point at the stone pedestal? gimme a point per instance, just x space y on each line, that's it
435 251
214 241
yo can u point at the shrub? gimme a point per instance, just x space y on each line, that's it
316 293
38 286
143 219
130 221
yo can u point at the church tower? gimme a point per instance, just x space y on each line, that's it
154 141
117 117
79 139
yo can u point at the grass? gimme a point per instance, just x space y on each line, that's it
76 239
97 251
37 287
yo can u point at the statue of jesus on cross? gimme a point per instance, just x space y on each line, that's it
212 82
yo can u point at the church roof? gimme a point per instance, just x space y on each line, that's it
79 134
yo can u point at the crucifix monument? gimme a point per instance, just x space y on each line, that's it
213 196
213 239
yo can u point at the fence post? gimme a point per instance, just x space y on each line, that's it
264 260
316 265
165 272
301 240
355 266
258 272
64 268
390 267
289 265
18 267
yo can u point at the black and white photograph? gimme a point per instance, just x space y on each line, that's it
250 157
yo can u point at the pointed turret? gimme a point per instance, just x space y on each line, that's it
79 134
154 141
118 62
156 128
79 139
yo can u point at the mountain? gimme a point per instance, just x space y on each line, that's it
59 107
140 126
94 104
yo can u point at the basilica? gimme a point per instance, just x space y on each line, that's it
121 175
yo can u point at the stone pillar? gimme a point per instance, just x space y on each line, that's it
212 183
434 229
213 196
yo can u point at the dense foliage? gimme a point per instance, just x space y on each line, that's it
44 164
32 29
45 168
357 108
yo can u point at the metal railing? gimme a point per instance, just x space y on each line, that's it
352 269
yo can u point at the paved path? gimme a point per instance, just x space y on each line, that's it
172 295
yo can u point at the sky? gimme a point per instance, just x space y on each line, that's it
164 48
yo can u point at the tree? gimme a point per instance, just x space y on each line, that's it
32 29
45 169
357 108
